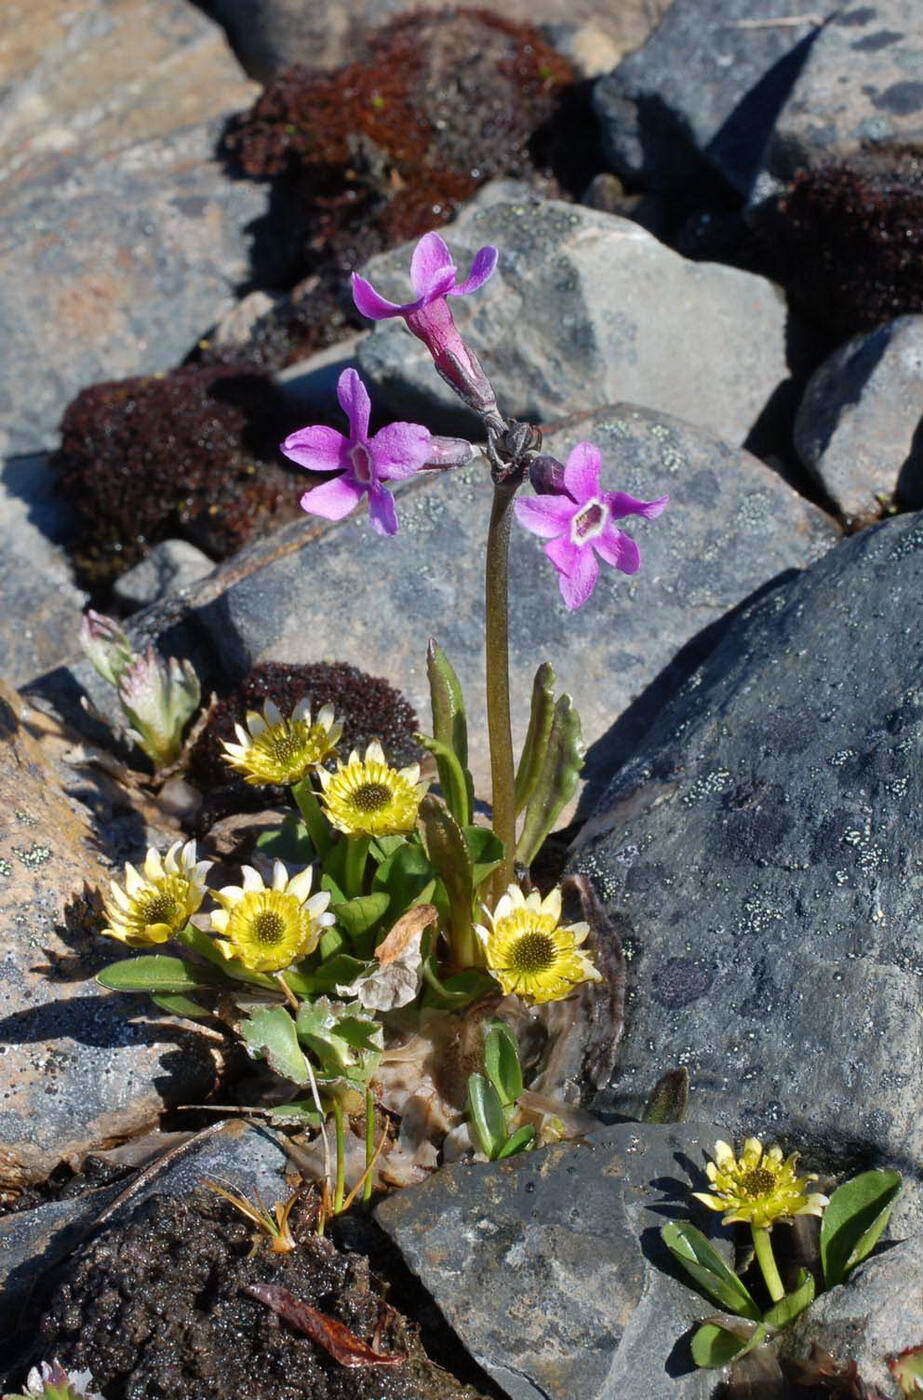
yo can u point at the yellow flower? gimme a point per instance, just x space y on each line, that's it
759 1187
153 904
530 952
269 927
276 750
365 797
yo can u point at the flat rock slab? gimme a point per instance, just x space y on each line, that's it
81 1067
858 430
860 89
586 309
705 88
549 1266
762 853
339 592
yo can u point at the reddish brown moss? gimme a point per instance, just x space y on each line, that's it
847 242
369 707
191 454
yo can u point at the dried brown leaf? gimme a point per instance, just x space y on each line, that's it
406 934
336 1338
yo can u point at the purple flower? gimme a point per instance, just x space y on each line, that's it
363 463
578 525
434 276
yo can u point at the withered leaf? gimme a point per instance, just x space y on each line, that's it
406 933
342 1344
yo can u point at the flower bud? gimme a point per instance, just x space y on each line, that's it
546 474
449 452
158 699
105 645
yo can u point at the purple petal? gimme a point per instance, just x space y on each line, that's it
577 570
545 516
485 260
375 307
316 448
618 549
381 511
355 403
621 505
334 499
581 471
429 265
400 449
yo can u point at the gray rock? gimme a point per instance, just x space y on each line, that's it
587 309
314 591
760 852
858 430
550 1268
170 565
877 1314
704 90
860 89
81 1066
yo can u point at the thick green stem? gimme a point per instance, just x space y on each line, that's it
312 815
762 1244
369 1145
496 648
357 850
339 1190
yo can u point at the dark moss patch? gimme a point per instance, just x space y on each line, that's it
155 1309
391 145
191 454
846 241
369 707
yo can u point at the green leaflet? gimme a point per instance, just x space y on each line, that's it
556 781
450 730
854 1220
153 973
486 1113
270 1030
536 741
704 1264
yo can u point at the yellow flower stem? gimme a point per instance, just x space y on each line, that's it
312 815
357 850
496 656
286 991
339 1190
762 1244
369 1145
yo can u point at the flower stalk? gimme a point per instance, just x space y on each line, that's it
762 1245
497 664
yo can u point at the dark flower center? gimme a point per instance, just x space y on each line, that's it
268 927
533 952
160 908
758 1182
286 745
371 797
361 459
589 522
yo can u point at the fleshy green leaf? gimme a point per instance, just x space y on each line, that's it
453 779
714 1345
487 1116
177 1004
407 876
448 852
270 1030
501 1062
289 842
155 972
556 781
793 1304
536 741
704 1264
450 725
300 1111
854 1220
359 915
520 1141
338 970
669 1098
486 851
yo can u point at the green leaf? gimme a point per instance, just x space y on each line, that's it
452 778
486 1113
450 725
556 781
383 847
854 1220
669 1098
205 946
301 1111
704 1264
486 851
793 1304
520 1141
333 941
714 1346
177 1004
501 1062
152 973
338 970
448 852
359 915
536 742
271 1030
289 842
459 990
407 876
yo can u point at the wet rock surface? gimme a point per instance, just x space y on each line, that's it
81 1067
858 427
732 526
585 309
761 855
704 90
550 1268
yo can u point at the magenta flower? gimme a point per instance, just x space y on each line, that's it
434 276
578 524
363 463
